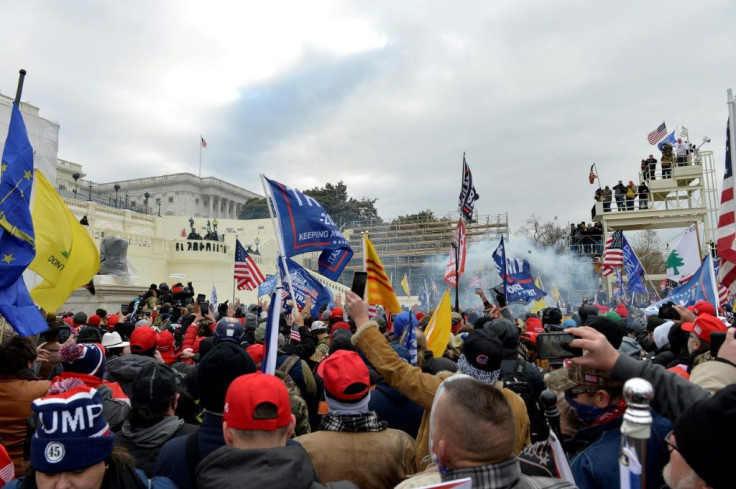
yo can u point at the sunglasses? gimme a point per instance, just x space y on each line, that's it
670 446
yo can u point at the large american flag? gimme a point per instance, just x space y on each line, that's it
726 243
613 256
247 274
657 134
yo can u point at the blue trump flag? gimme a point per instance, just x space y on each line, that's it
410 343
670 139
700 287
517 277
305 285
306 227
17 242
267 287
634 270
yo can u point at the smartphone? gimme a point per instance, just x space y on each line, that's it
668 311
359 281
201 298
716 341
556 345
204 307
124 308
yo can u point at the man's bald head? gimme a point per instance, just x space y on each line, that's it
471 424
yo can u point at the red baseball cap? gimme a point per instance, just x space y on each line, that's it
336 312
703 307
249 391
256 353
143 339
165 346
94 320
704 325
530 336
345 375
534 324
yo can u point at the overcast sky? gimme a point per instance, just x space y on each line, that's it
385 95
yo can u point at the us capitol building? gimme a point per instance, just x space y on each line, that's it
154 215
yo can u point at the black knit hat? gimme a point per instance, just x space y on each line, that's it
608 327
217 370
483 350
704 431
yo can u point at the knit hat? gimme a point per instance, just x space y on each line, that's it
80 318
83 358
246 393
341 340
260 333
345 376
217 369
89 334
703 431
143 339
229 330
704 325
251 321
72 433
608 327
113 340
401 321
703 307
153 383
481 357
165 346
318 327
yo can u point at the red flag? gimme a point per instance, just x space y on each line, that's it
592 175
204 143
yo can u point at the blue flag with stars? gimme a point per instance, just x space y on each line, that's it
17 243
306 226
700 287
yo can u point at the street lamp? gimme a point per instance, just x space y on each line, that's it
146 196
116 187
256 241
126 199
158 201
75 177
90 190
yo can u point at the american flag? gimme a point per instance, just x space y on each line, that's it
722 291
726 243
613 255
294 334
657 134
247 274
474 281
203 143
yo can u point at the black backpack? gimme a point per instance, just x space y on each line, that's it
512 375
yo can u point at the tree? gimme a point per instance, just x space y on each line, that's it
544 234
334 198
648 249
421 216
674 261
254 208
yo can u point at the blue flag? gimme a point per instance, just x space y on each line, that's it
670 139
410 343
305 285
424 298
634 270
306 227
17 242
517 278
700 287
267 287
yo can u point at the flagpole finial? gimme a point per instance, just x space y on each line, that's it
19 91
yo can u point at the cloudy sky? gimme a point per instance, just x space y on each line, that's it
385 95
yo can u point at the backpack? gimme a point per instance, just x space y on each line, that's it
298 404
512 375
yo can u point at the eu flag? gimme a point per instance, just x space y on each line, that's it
306 226
17 247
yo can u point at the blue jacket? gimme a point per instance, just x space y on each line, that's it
396 409
597 466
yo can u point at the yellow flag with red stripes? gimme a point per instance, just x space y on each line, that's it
378 286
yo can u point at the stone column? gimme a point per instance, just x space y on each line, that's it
212 206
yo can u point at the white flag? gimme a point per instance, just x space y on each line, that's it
684 260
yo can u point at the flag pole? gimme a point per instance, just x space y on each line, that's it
279 237
19 90
456 246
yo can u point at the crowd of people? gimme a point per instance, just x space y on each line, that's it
586 238
625 196
169 394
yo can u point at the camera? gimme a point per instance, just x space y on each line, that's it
556 346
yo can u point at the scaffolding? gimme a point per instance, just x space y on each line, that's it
409 246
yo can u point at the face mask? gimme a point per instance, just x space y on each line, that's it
587 414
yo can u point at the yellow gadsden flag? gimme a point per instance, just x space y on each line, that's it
66 257
439 326
378 285
405 286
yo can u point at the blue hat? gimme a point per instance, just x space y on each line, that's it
83 358
569 323
72 433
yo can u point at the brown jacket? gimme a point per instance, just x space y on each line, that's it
421 387
17 392
370 460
